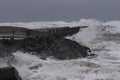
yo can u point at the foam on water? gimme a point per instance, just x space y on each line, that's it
106 66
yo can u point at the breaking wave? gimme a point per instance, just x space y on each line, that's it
102 37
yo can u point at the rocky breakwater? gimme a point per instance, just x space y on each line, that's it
59 48
53 45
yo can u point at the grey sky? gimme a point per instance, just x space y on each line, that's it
58 10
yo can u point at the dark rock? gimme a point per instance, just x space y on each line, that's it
9 73
44 47
42 42
60 48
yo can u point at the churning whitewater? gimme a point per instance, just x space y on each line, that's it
102 37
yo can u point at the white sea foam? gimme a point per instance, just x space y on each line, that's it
106 66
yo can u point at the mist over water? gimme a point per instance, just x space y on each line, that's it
98 36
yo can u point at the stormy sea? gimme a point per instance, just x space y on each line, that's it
102 37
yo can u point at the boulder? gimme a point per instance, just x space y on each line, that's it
9 73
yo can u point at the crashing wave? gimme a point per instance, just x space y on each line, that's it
100 36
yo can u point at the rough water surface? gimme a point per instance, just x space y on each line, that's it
102 37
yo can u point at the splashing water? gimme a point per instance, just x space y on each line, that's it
98 36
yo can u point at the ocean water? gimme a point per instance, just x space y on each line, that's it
102 37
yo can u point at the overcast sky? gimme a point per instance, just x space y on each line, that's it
58 10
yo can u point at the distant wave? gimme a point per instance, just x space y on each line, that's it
62 23
91 32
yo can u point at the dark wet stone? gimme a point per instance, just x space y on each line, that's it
9 73
55 46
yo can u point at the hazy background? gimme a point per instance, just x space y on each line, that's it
58 10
